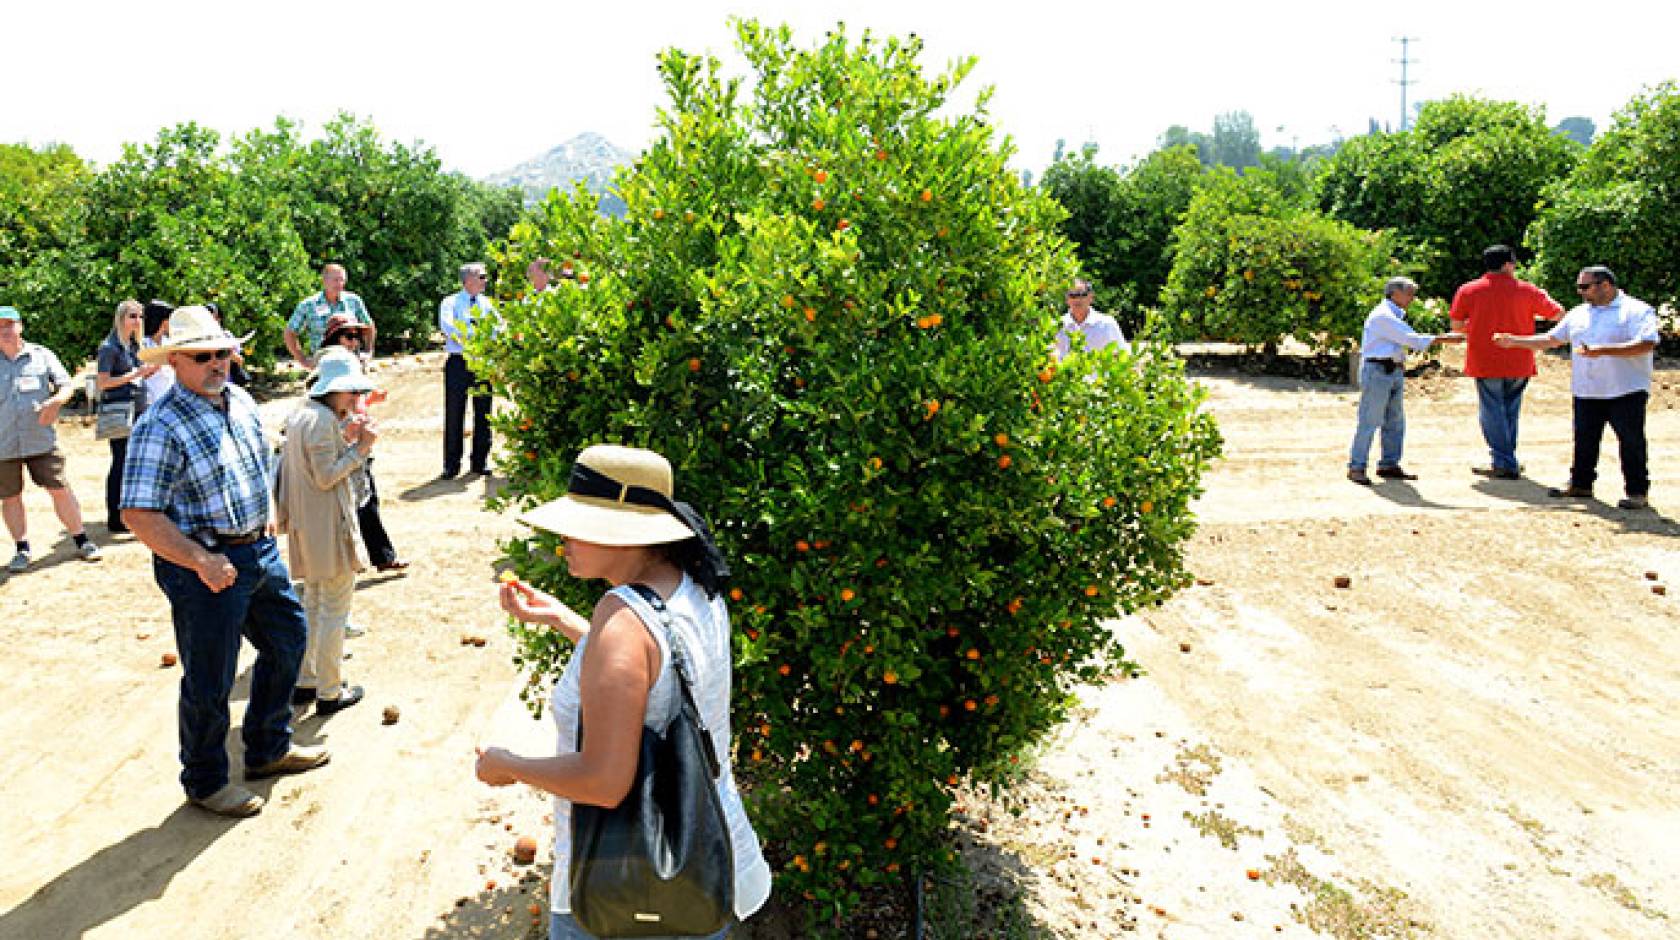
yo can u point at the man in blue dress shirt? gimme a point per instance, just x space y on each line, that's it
1382 381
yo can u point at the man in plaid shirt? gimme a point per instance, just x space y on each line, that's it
196 491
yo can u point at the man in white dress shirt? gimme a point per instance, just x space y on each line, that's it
1382 381
458 315
1098 328
1615 339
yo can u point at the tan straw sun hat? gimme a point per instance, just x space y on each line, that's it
614 500
192 329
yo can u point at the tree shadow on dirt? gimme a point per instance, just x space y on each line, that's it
116 879
503 912
1530 493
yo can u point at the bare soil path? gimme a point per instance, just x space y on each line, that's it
1475 739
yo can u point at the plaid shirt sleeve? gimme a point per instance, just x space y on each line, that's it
153 464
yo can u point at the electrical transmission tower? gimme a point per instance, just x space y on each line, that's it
1405 62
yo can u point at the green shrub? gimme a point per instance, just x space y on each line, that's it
1621 207
831 307
1250 267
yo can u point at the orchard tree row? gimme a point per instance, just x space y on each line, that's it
246 225
1301 248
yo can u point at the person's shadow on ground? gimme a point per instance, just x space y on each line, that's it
1530 493
116 879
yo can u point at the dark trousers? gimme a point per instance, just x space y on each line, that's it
1626 415
113 484
379 548
458 384
260 606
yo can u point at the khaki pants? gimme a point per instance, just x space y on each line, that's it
326 602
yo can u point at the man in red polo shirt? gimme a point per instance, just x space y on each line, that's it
1497 302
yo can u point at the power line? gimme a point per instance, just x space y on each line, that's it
1405 62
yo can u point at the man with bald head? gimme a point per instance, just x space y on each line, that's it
308 324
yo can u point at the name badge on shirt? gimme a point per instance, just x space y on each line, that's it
28 383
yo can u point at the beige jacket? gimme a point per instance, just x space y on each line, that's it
315 503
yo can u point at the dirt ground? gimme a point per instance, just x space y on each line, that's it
1475 739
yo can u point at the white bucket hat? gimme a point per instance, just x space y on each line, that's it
192 329
636 478
338 370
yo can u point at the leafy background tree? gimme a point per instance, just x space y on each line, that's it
1253 263
1467 176
1621 205
830 305
186 219
1121 223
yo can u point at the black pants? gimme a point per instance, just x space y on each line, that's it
458 383
1626 415
113 484
379 548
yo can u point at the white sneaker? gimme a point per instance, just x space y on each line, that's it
19 563
89 551
352 631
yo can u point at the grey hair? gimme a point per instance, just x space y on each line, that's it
474 268
1397 284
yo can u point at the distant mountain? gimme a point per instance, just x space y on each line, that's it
588 157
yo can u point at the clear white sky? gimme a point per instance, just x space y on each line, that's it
492 83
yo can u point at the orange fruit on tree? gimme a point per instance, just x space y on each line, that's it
1002 440
842 225
821 176
881 154
1108 502
735 594
787 301
694 365
583 277
972 653
802 545
1046 374
784 669
932 407
818 205
810 315
1146 507
1090 590
927 195
889 677
847 594
658 214
1004 462
970 704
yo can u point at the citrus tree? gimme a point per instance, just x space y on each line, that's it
830 304
1621 206
1253 266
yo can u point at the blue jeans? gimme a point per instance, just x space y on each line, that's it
1499 405
261 606
1381 405
565 927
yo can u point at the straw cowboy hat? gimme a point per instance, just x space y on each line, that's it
618 496
339 371
192 329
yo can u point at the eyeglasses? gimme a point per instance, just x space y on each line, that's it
1072 294
1587 285
204 357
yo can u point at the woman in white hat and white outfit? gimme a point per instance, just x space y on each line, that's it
327 443
620 524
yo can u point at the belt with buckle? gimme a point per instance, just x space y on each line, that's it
218 540
1388 365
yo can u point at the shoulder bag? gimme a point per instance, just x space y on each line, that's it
115 419
659 864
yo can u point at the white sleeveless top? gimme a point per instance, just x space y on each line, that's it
702 626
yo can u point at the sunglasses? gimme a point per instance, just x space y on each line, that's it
1078 293
204 357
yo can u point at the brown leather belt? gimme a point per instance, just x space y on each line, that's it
214 540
